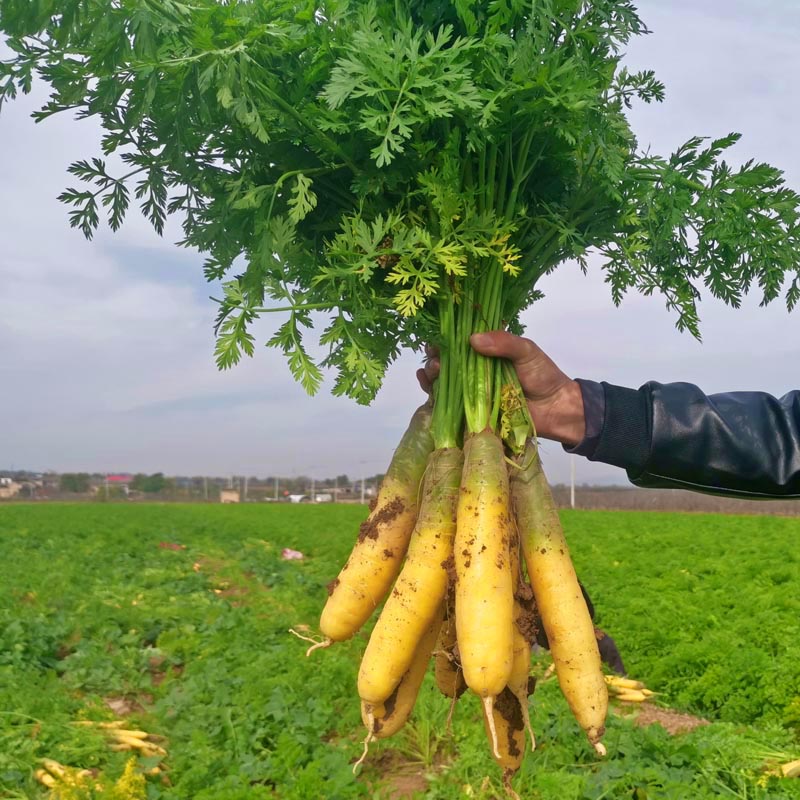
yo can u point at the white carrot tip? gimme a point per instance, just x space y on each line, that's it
364 754
526 718
315 644
488 704
600 748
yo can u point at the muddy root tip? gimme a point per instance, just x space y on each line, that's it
488 705
508 774
600 749
364 754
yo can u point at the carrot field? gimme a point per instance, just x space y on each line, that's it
175 619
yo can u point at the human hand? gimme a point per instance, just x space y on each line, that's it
554 400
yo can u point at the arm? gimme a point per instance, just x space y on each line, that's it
743 444
673 435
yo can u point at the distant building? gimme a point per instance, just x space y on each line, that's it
230 496
9 488
122 482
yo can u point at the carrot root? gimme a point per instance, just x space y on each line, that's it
600 749
509 789
526 718
488 705
363 758
315 643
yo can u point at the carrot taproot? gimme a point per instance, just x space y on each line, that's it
507 728
447 663
484 593
520 682
420 589
378 554
385 719
559 599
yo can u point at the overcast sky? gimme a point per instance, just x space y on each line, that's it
106 348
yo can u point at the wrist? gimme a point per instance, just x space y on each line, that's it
564 420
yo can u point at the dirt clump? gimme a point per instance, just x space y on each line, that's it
370 528
528 621
509 709
674 722
449 566
399 779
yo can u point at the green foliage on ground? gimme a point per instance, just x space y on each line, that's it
99 604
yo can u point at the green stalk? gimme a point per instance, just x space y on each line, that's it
448 408
504 168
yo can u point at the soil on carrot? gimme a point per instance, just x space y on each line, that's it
370 527
449 565
388 710
509 709
527 621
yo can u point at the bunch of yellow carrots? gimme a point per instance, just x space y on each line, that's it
466 549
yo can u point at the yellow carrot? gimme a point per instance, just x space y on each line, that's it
484 594
559 599
382 541
385 719
419 591
623 683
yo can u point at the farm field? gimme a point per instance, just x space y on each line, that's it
176 619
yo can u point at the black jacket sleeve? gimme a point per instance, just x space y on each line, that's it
674 436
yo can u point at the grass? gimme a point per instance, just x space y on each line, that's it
177 616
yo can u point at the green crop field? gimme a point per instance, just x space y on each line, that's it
176 619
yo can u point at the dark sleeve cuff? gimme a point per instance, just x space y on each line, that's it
626 434
594 404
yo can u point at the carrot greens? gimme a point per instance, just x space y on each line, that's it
368 168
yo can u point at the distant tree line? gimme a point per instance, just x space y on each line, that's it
199 487
75 482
